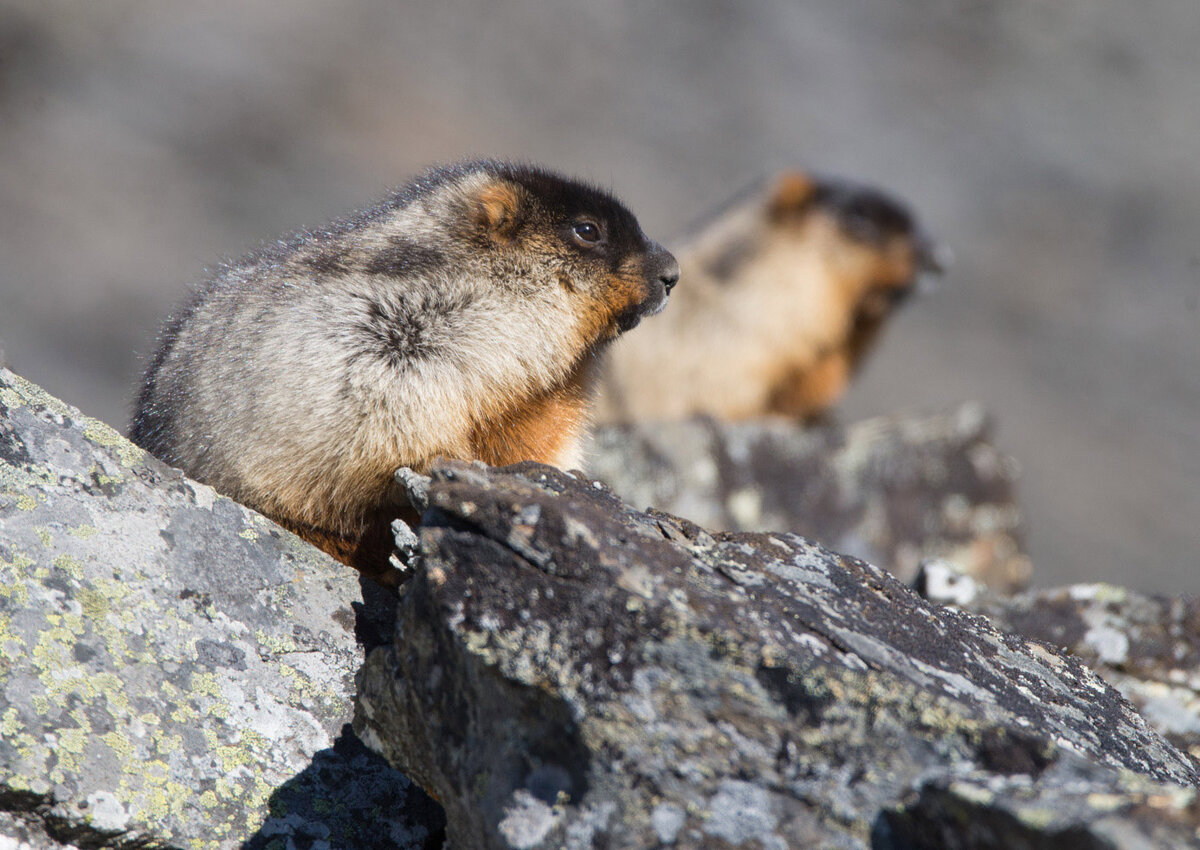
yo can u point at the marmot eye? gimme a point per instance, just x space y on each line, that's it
586 232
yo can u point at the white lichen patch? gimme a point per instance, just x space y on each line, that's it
527 820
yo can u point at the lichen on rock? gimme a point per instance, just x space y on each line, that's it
168 658
570 672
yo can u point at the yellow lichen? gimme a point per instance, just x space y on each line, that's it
12 645
167 744
204 684
9 722
11 399
274 644
233 757
95 604
70 566
225 789
184 713
120 744
72 740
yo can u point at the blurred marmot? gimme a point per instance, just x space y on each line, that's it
785 292
462 317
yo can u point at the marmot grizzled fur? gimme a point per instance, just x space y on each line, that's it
786 290
462 317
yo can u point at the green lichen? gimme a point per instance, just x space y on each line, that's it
185 713
95 604
103 435
83 532
12 645
120 744
10 398
10 723
277 644
233 756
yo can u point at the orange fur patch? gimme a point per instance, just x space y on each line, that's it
791 194
804 392
498 209
626 290
538 428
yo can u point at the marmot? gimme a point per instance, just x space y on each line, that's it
462 317
786 290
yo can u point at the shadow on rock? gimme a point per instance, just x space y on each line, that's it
350 797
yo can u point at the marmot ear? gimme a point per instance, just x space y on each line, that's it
499 209
791 193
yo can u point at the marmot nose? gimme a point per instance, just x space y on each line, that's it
666 269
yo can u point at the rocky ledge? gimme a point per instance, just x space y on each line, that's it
895 490
565 671
1147 647
570 672
175 670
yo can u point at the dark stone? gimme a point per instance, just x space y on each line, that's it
1147 647
671 686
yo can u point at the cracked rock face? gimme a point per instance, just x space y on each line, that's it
175 670
895 491
569 672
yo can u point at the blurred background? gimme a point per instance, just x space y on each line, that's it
1055 146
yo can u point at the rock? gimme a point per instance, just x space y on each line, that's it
1007 812
1147 647
569 672
895 491
175 670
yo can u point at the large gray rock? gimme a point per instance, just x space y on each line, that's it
569 672
895 491
175 670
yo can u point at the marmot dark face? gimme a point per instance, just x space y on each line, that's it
868 235
459 318
593 244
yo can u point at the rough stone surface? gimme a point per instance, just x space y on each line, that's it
568 672
1147 647
895 491
175 670
1008 813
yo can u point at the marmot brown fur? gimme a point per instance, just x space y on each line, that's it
462 318
786 290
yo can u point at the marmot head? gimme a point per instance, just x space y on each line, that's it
574 243
866 238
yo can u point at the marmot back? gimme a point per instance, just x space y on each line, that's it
460 318
785 292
